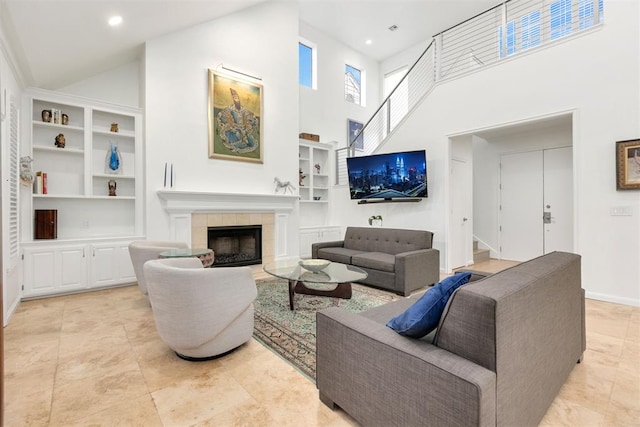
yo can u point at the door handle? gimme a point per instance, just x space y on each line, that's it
546 217
464 219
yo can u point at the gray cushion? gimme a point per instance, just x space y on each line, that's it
388 240
375 260
341 255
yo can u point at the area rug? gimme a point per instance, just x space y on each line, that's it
292 334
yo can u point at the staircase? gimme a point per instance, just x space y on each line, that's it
479 255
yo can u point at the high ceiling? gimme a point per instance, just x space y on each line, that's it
59 42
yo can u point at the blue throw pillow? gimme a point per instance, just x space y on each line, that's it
423 316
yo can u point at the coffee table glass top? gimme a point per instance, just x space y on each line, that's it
333 273
185 253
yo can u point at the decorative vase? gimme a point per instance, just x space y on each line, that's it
113 161
46 116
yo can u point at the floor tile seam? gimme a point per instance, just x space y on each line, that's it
76 421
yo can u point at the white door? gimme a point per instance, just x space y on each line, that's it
558 200
521 201
461 214
529 182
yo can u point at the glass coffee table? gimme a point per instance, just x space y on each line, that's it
335 273
204 254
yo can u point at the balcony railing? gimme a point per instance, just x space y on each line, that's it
501 32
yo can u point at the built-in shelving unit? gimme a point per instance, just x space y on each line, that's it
93 227
314 164
315 195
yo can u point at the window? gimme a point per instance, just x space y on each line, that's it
399 101
510 39
352 84
307 64
560 12
585 13
531 30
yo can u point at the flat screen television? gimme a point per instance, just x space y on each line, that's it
388 176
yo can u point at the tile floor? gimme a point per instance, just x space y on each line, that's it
95 359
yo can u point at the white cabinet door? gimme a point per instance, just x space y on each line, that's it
111 264
39 271
72 268
103 265
125 266
50 270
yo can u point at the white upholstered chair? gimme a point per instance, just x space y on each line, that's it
200 313
142 251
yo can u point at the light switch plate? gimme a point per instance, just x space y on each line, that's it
621 211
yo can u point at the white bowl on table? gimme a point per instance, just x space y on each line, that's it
314 265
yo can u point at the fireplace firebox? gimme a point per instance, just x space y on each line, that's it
236 245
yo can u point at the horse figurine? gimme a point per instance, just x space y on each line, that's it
286 186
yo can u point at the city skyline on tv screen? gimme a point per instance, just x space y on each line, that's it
388 176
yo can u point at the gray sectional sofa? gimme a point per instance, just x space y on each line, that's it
395 259
504 346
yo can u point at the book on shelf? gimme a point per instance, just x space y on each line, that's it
40 183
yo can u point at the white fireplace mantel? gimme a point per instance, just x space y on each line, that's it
180 205
177 202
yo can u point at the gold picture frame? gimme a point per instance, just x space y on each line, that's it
235 119
628 164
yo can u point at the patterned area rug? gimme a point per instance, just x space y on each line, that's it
292 334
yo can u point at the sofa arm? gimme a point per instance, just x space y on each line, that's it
416 269
320 245
381 378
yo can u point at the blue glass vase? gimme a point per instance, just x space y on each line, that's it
113 161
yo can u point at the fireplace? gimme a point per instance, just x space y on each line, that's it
236 245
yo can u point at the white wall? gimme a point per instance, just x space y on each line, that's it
261 41
118 86
597 76
325 111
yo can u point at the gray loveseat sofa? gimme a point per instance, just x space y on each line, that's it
504 346
395 259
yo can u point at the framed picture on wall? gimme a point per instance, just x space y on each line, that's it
354 128
628 164
235 118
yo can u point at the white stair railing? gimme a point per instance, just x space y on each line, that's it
512 27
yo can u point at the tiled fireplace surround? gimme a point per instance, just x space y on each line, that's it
201 221
192 212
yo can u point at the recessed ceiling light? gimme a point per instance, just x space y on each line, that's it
369 41
115 20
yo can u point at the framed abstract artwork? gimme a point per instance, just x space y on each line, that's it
235 118
354 128
628 164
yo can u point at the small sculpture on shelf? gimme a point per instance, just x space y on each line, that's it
65 119
46 116
317 166
114 127
112 187
26 174
61 141
301 177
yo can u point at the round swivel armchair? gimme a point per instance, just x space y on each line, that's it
142 251
200 313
